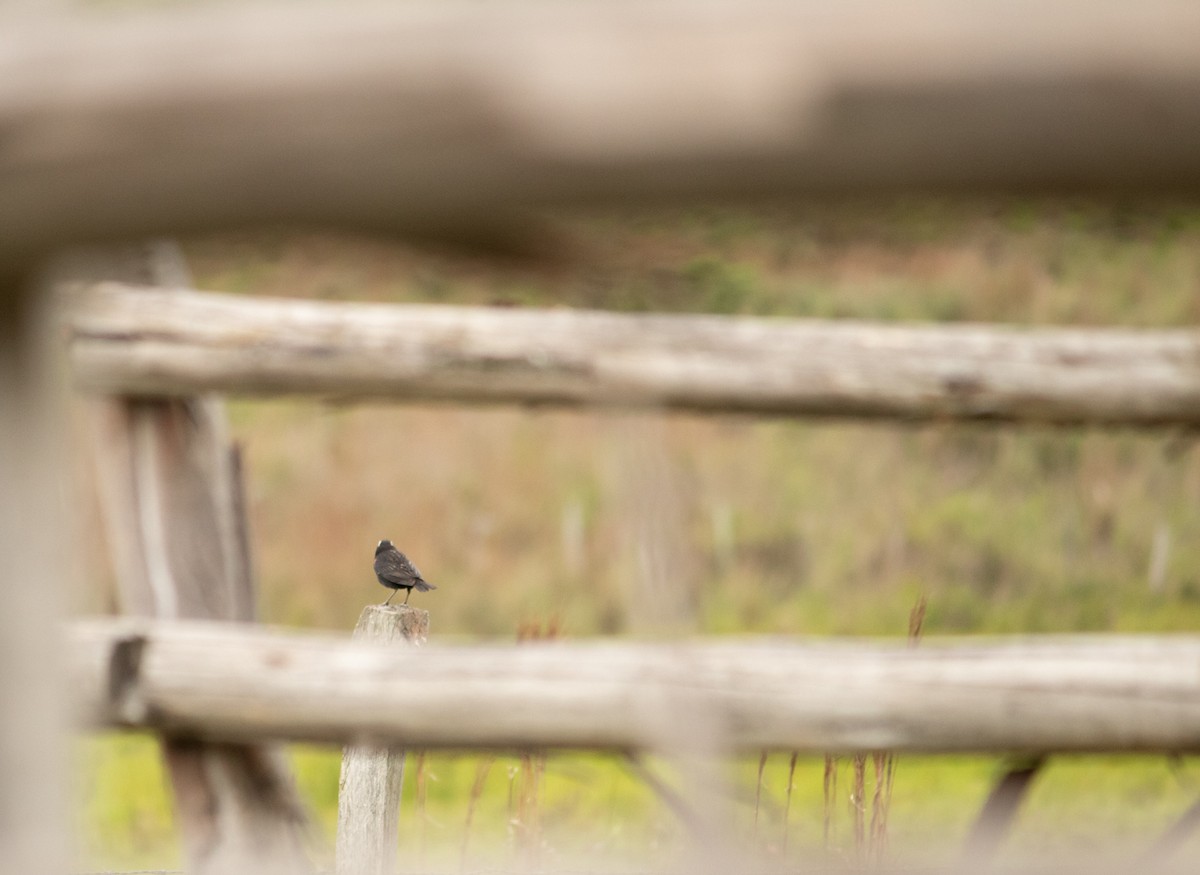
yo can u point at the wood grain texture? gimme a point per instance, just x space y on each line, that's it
148 342
372 776
442 117
1058 694
173 509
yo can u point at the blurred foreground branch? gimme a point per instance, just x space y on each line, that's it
451 118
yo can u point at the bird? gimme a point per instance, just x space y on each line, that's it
393 570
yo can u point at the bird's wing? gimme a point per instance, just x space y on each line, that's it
395 566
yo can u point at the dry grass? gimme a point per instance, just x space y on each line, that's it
422 782
785 527
482 770
524 815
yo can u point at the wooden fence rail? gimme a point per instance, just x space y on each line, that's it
443 117
227 682
142 341
173 500
461 119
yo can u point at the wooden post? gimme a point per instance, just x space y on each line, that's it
175 518
369 789
35 538
999 811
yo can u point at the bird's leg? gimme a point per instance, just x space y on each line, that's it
389 598
407 594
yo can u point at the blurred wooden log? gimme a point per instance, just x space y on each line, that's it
442 117
372 776
37 537
176 527
150 342
1058 694
1173 840
999 812
169 506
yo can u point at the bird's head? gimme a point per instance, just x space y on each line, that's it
385 544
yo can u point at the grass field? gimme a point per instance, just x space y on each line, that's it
781 527
593 808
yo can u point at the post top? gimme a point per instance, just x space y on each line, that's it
389 624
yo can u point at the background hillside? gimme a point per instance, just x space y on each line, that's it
602 523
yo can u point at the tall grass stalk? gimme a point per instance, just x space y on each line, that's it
858 807
531 769
883 763
422 776
830 796
787 806
762 764
870 837
528 820
481 773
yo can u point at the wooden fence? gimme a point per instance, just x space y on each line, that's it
222 685
444 120
151 342
230 683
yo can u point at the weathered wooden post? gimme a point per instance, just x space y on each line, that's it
369 789
172 499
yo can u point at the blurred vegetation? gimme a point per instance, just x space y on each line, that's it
784 527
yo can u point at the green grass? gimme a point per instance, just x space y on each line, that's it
592 806
816 528
124 809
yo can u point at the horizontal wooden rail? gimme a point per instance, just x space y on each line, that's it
146 342
228 682
446 117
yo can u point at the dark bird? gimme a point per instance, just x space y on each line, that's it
395 571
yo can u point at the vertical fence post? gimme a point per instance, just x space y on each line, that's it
369 789
174 510
35 538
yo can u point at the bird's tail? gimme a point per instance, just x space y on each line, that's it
422 586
